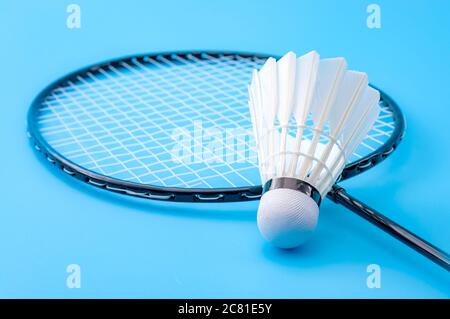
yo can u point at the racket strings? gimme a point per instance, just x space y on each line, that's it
192 86
102 123
126 119
179 114
187 115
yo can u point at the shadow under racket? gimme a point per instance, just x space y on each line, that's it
233 211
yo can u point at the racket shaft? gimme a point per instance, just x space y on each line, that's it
339 195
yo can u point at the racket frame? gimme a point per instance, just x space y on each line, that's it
176 193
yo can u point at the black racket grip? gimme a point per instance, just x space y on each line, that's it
440 257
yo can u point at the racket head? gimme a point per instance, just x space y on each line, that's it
86 125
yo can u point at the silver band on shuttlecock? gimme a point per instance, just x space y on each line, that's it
294 184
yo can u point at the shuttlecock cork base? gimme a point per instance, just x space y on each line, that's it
288 211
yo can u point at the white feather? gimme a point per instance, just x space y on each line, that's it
340 104
350 91
268 83
305 85
286 86
331 73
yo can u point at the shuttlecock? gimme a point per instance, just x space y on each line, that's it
308 117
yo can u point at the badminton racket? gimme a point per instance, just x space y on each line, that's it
175 126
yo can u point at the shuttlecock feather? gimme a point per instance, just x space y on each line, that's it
308 117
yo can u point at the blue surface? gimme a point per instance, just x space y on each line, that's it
137 248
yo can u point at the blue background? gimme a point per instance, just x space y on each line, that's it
136 248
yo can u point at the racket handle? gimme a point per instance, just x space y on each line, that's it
440 257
